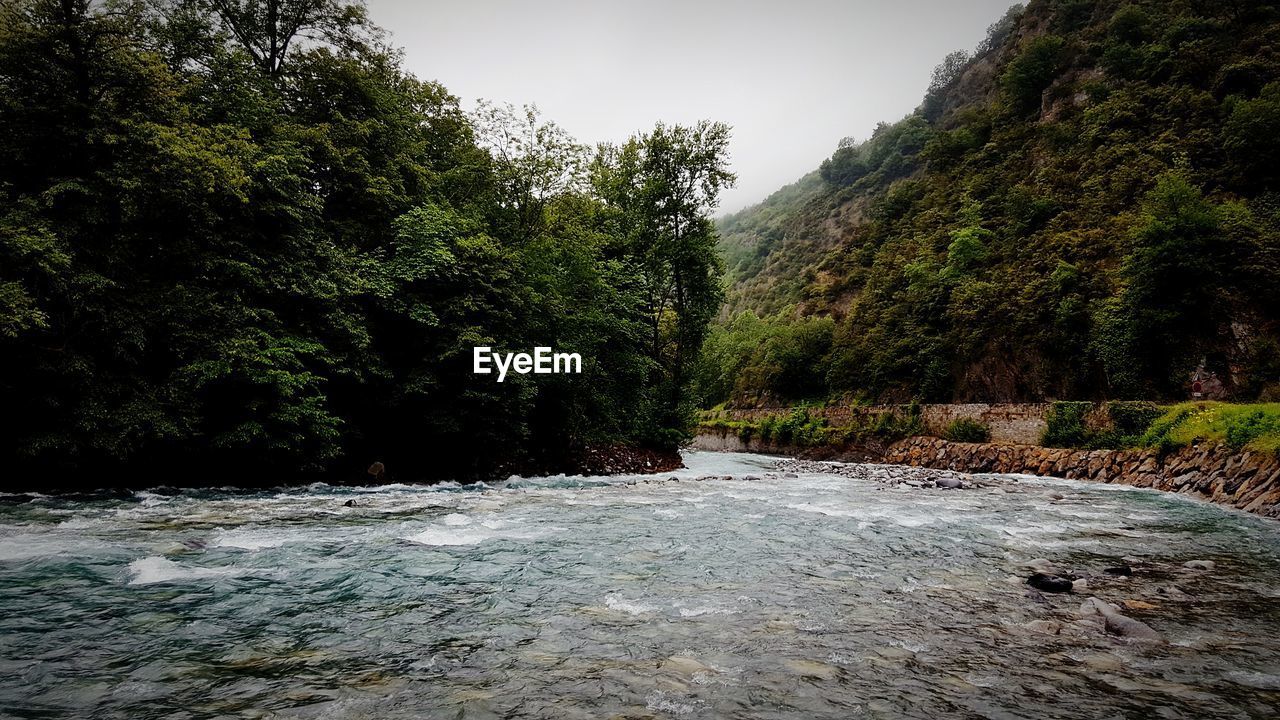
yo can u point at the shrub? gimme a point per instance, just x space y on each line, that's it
1066 424
1028 74
1132 418
967 430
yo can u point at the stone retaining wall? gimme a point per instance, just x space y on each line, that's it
1245 480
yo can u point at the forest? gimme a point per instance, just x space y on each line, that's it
1085 207
240 243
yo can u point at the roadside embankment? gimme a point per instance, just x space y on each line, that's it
1245 479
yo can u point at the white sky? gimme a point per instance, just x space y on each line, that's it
792 78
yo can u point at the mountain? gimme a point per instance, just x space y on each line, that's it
1084 207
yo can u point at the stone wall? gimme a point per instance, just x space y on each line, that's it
1008 422
1245 480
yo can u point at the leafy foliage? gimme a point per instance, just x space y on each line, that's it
967 431
239 243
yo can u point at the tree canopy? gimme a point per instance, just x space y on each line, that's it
240 242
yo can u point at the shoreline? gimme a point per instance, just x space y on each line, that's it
1245 480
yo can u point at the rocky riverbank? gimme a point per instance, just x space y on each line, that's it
1111 590
1244 480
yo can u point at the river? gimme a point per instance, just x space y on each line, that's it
745 596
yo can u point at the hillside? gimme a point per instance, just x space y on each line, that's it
1084 207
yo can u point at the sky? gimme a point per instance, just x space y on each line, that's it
792 78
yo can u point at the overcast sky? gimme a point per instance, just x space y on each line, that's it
792 77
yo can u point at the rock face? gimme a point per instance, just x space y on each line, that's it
1245 480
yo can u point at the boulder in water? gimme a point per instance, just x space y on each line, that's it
1118 624
1199 565
1122 570
949 483
1049 583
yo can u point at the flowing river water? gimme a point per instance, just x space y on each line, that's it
751 595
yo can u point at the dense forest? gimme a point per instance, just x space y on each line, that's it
238 242
1085 207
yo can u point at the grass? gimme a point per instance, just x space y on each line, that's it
1240 427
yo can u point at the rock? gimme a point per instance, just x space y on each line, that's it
1173 592
1049 583
1044 627
949 483
1041 565
1199 565
349 503
378 471
1118 624
1057 496
1079 585
1138 605
1124 570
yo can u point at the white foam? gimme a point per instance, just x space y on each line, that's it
701 610
658 702
614 601
150 499
456 519
451 536
150 570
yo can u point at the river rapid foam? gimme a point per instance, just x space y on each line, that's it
724 590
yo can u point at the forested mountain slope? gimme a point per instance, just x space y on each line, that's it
1084 207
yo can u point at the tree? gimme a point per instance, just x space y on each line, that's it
662 186
533 160
944 78
268 30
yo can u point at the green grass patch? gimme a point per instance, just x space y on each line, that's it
1252 427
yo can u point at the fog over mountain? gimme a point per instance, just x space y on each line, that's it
791 78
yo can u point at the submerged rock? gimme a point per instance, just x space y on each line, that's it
1199 565
1042 566
1044 627
1049 583
1118 624
1122 570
